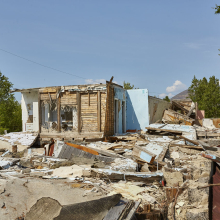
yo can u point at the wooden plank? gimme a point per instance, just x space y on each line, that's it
59 114
191 141
46 96
180 106
208 147
46 90
99 111
146 177
164 130
105 152
186 146
79 111
39 111
94 139
207 134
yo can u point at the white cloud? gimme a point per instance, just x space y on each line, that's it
178 86
162 95
96 81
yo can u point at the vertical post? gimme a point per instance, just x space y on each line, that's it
88 99
99 110
59 113
196 110
39 112
79 111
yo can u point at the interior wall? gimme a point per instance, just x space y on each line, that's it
156 108
137 117
27 99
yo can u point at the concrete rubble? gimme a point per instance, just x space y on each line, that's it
163 173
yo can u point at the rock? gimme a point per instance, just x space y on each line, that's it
124 165
175 155
145 168
173 179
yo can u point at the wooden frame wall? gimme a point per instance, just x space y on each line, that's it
91 108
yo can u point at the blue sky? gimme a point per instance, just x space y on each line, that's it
158 45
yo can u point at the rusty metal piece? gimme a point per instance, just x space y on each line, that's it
216 195
211 156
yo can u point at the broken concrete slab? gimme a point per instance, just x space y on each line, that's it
5 162
21 139
49 209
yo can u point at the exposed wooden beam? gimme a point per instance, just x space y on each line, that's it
88 99
79 111
39 111
164 130
59 113
99 111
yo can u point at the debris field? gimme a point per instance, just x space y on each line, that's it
164 172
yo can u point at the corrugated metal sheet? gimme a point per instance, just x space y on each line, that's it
216 195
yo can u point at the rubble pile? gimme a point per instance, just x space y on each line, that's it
163 173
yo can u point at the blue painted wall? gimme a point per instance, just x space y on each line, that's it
137 115
120 94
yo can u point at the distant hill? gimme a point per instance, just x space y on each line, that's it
183 95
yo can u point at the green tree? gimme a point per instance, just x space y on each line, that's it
128 85
166 98
207 95
10 109
217 9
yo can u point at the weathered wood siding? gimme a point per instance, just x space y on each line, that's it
89 112
90 107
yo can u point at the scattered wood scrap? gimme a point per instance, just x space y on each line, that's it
143 155
122 138
146 177
170 115
176 105
164 130
187 146
187 139
207 134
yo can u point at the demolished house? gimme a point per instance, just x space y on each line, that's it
108 153
86 111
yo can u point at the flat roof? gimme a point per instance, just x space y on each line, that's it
84 85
